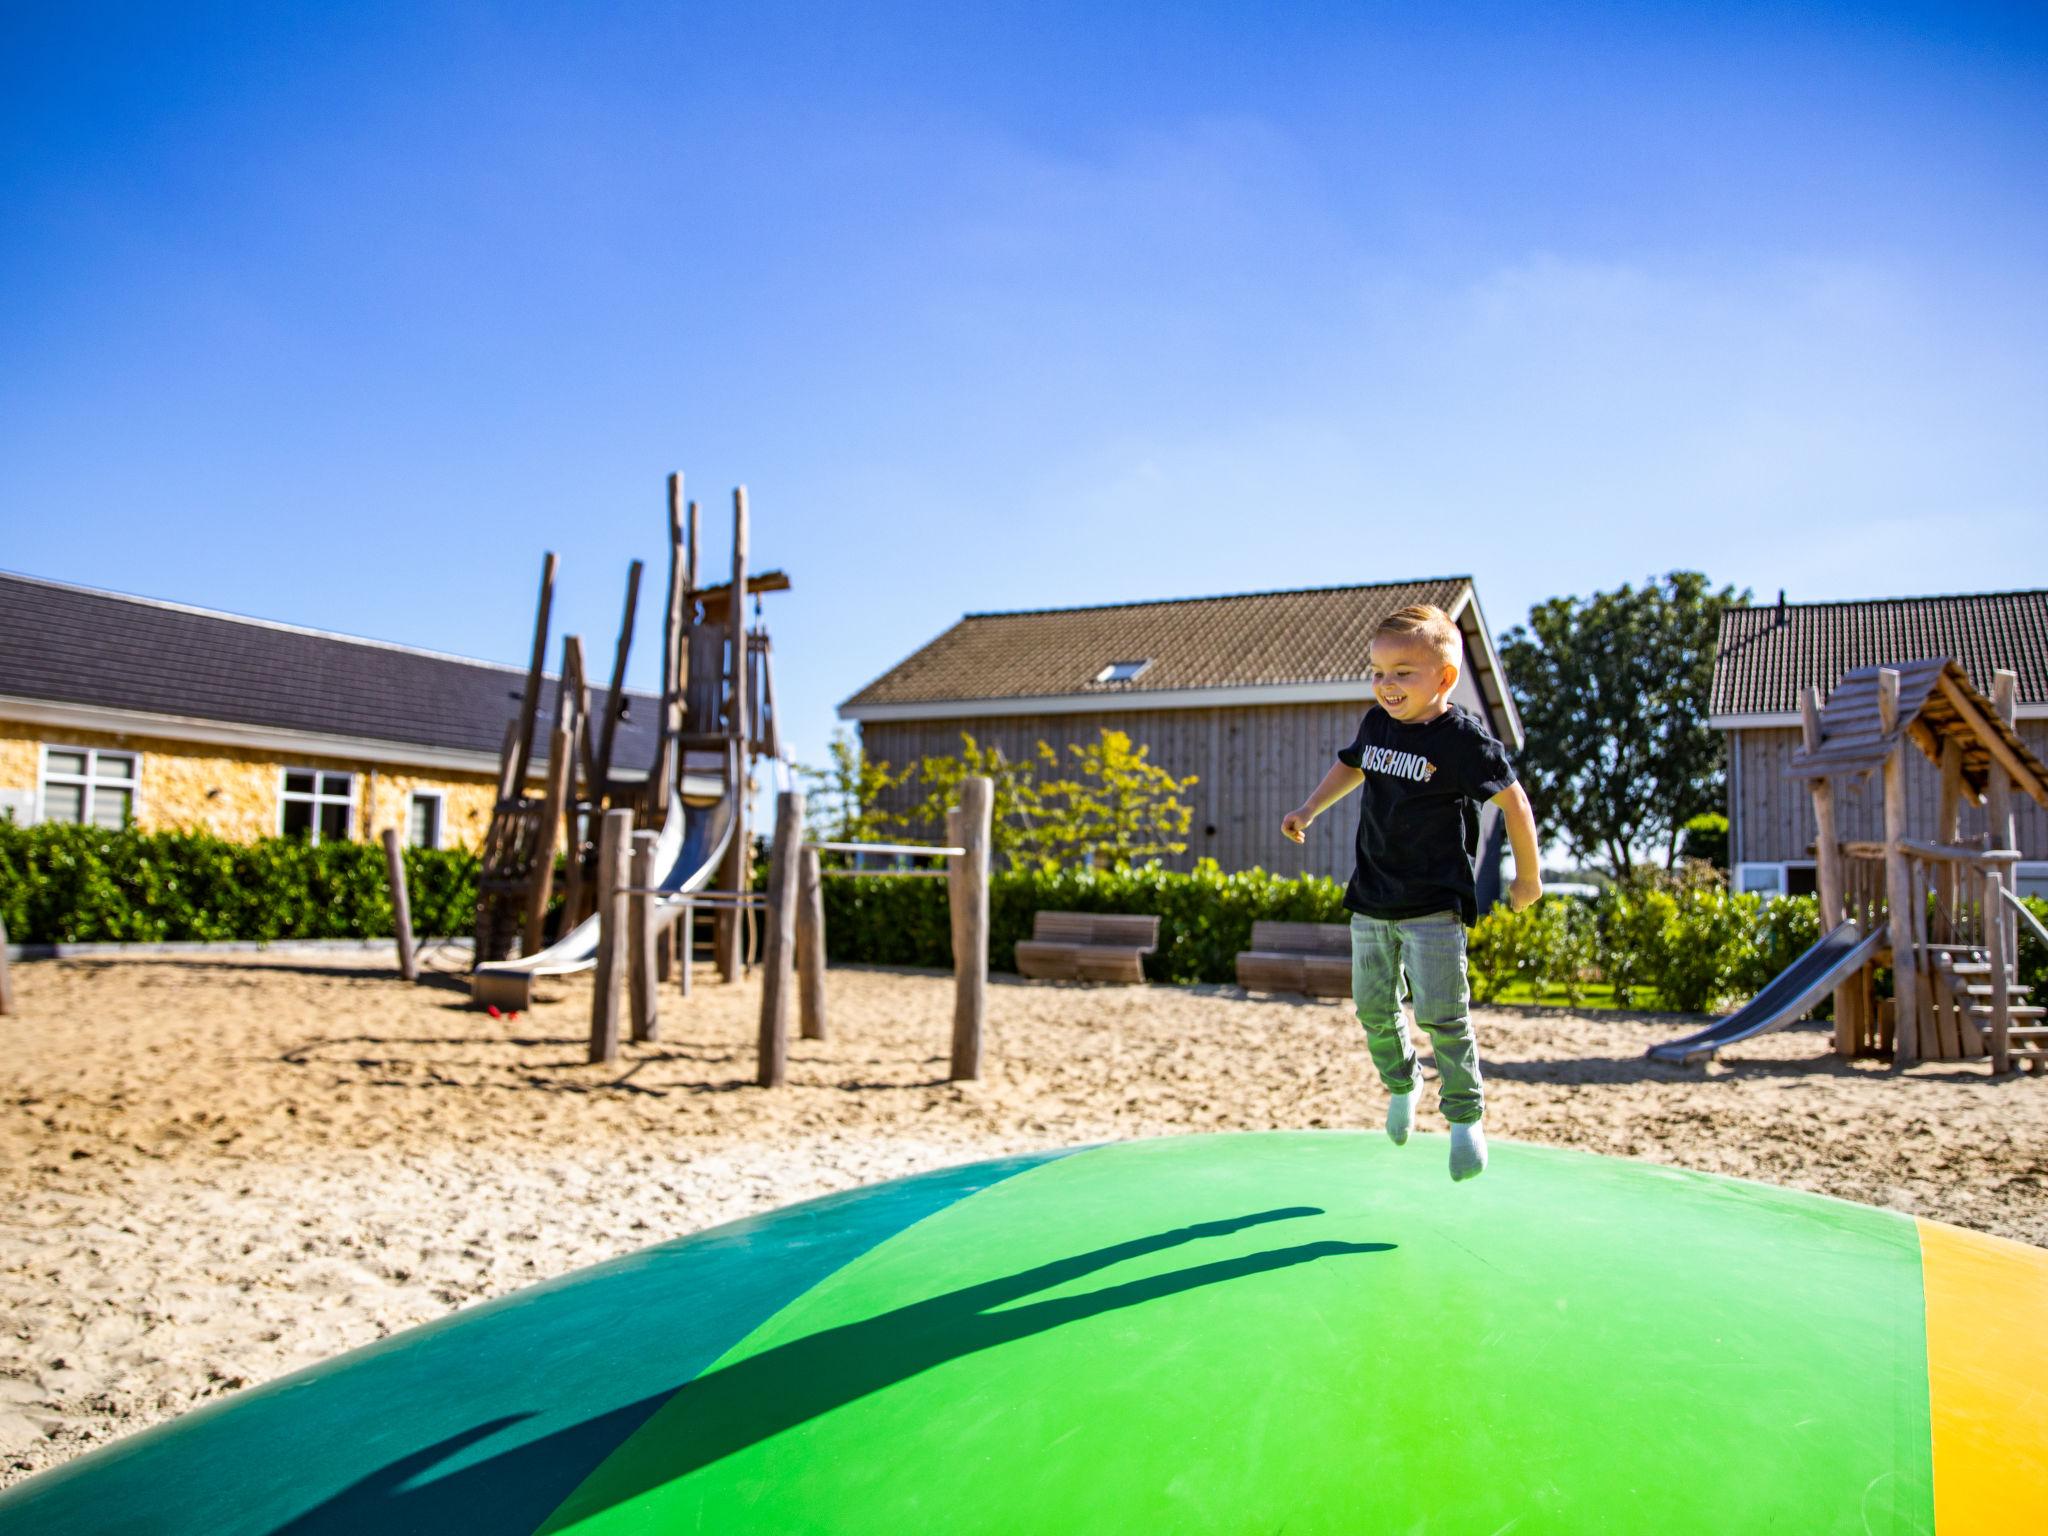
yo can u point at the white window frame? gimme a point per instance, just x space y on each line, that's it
89 780
317 799
1116 671
440 799
1782 871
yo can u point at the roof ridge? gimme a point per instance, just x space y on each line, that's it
276 624
1871 602
1215 597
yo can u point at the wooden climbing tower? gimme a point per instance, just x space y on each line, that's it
1948 906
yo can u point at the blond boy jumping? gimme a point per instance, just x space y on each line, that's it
1424 764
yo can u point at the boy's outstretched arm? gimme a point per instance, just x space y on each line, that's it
1528 883
1337 783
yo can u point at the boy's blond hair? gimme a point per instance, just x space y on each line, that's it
1429 624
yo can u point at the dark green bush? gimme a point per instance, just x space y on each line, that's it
1206 915
72 884
1706 839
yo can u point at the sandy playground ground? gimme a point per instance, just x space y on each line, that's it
214 1170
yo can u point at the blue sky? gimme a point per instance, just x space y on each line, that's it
341 315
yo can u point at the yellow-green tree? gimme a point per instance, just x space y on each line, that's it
1114 806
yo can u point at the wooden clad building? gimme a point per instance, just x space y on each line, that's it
117 709
1767 655
1253 694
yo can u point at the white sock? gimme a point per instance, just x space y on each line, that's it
1468 1151
1400 1116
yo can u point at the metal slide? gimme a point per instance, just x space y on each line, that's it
1788 997
693 841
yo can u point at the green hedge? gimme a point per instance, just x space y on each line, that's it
1207 914
69 884
1690 948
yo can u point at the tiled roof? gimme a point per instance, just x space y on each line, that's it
1768 654
1256 639
71 645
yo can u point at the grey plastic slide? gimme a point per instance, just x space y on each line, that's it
687 855
1790 994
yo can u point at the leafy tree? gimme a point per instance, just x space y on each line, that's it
1015 817
1111 805
843 799
1119 807
1612 690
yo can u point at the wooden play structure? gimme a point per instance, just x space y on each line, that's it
1948 911
717 718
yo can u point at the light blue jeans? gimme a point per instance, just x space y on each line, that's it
1429 952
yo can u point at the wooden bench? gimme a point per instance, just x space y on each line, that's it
1314 958
1087 946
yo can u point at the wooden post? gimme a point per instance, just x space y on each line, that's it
1948 828
6 977
508 764
1898 882
778 955
970 956
640 915
2001 996
561 747
612 843
739 864
617 694
671 636
401 904
1827 855
810 945
529 701
1998 801
572 710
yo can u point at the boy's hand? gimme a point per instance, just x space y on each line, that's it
1523 892
1294 825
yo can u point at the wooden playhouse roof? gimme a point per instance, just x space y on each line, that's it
1937 703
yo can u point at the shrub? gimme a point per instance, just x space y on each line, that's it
1708 948
1206 916
1705 838
73 884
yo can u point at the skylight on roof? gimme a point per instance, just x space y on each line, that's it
1122 671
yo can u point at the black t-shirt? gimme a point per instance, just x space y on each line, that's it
1418 812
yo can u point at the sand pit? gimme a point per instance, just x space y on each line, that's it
219 1169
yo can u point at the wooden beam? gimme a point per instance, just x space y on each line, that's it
2001 993
529 701
561 759
645 995
810 946
969 892
1994 741
617 696
401 905
1888 699
1948 815
778 956
667 760
1998 782
737 876
508 763
6 976
1827 850
612 844
1900 895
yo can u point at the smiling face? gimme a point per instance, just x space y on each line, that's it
1410 678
